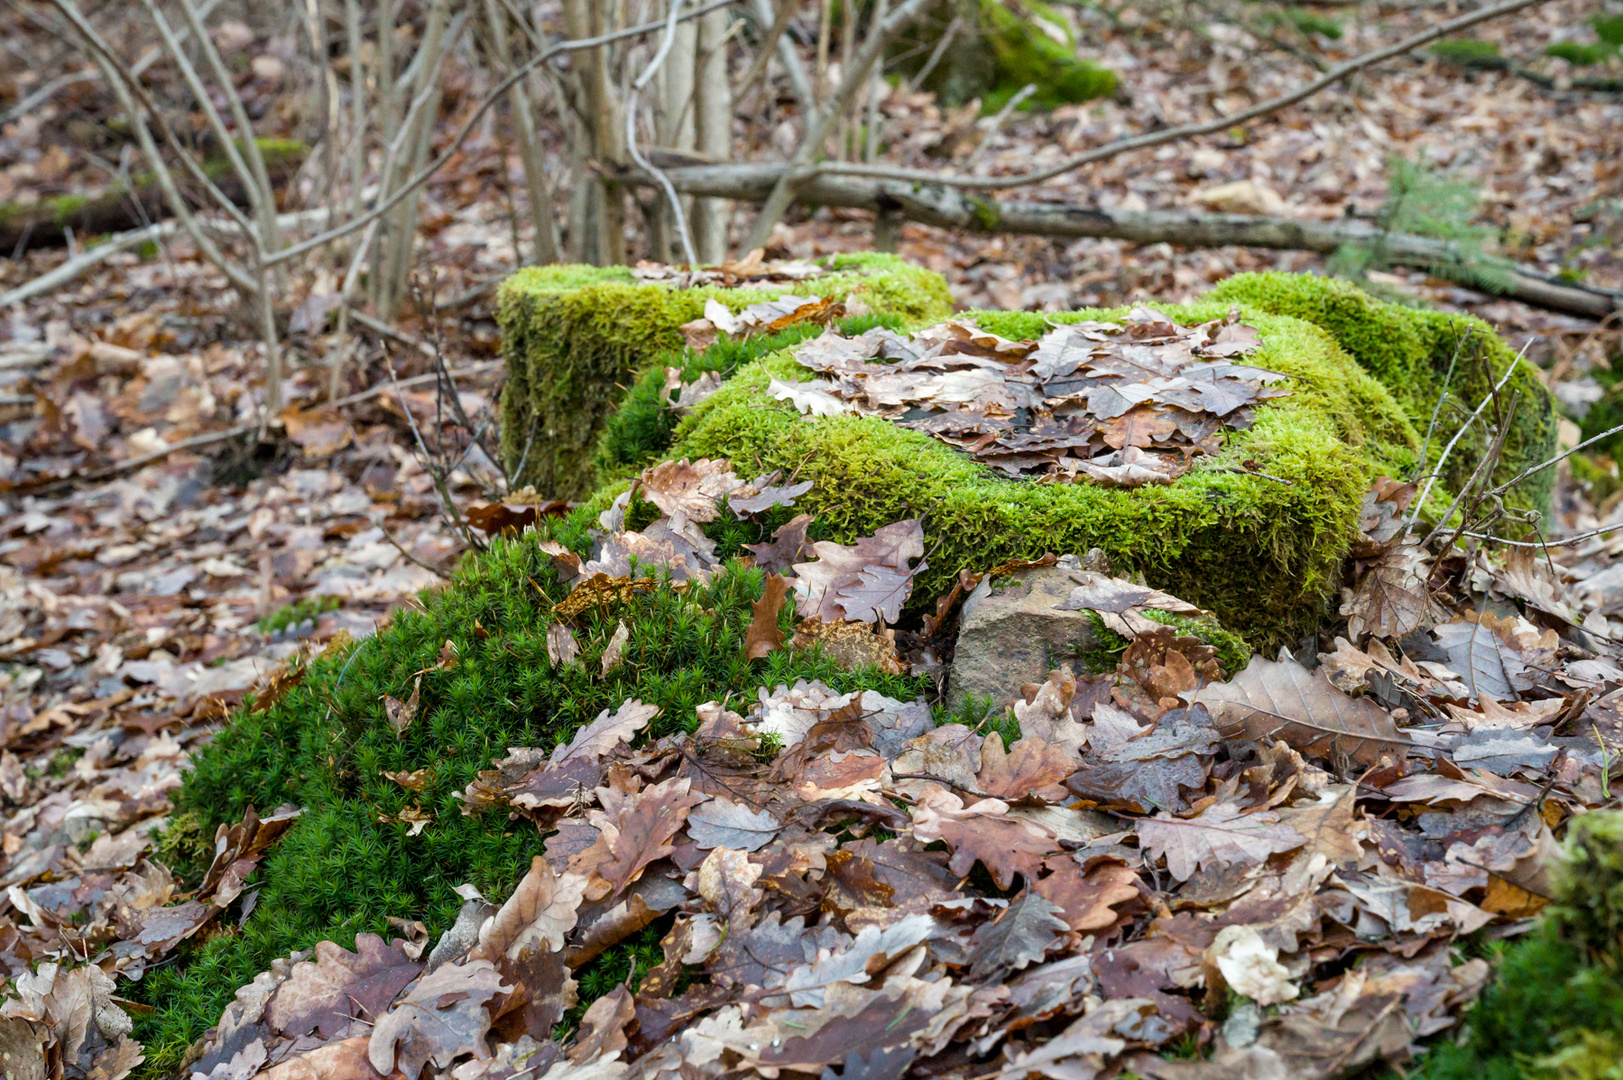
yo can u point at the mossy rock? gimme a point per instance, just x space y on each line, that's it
576 337
1256 534
1410 350
347 866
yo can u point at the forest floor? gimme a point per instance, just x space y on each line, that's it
138 605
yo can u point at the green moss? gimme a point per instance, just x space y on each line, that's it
1027 53
323 746
1464 51
575 338
1311 22
294 614
1410 351
1263 554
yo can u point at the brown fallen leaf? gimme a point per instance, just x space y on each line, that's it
562 648
1220 836
764 636
541 911
1393 596
1087 900
442 1019
614 651
402 713
645 830
1282 699
850 644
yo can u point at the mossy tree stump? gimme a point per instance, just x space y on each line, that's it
578 340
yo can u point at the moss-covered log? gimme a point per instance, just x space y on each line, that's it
575 338
46 223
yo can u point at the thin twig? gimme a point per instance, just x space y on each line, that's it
633 99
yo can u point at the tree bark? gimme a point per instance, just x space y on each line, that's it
713 130
952 208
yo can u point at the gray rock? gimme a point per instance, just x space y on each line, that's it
1010 632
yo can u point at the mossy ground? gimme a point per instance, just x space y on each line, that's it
575 338
341 871
1411 350
1263 552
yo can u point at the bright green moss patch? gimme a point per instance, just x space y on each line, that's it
324 746
1256 534
1026 53
576 338
1410 350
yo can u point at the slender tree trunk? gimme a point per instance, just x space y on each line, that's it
713 103
603 217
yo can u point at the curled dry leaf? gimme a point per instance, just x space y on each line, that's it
541 911
614 651
1392 597
441 1020
402 713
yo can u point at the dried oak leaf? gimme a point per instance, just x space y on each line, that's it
764 636
983 832
562 648
442 1019
1220 836
862 582
690 489
402 713
1392 596
614 651
850 644
539 914
1282 699
327 994
1019 936
645 831
723 823
1087 900
787 547
603 1028
1033 770
763 493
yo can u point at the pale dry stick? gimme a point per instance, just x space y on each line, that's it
633 98
494 95
1536 469
530 151
128 90
997 124
1442 396
940 50
1484 468
61 82
755 74
811 143
1420 501
266 202
870 149
1187 131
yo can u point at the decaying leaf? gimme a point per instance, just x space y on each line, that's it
850 644
441 1020
402 713
1392 597
862 582
1220 836
562 648
613 652
540 912
1282 699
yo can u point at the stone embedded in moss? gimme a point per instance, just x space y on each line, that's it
576 337
1256 535
1410 350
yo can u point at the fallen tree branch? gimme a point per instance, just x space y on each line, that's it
1187 131
950 208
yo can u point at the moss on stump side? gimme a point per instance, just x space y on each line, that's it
345 868
1410 351
1261 551
575 338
